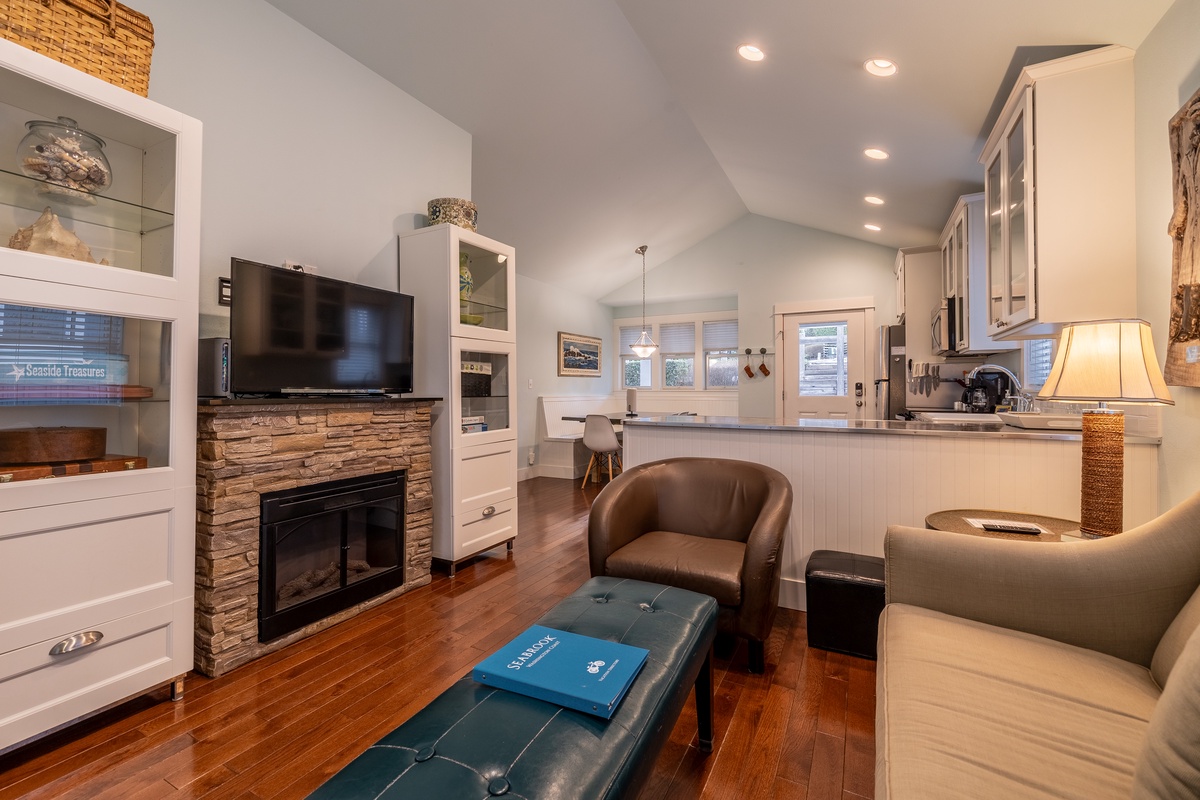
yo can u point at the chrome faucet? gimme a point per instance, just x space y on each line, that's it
1021 400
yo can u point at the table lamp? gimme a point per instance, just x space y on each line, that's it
1107 361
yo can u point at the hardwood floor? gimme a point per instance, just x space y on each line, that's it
278 727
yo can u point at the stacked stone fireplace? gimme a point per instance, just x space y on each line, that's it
248 449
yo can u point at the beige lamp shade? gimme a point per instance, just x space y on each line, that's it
1109 360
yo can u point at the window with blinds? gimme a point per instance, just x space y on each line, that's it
720 338
678 348
1039 356
682 346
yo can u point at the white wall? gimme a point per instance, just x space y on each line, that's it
542 311
1167 73
763 262
308 155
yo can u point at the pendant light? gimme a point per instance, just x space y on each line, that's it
644 347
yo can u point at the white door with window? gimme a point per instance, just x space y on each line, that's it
824 360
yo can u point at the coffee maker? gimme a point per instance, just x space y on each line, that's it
985 390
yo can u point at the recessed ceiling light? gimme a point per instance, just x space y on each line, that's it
873 200
871 227
875 153
880 67
751 53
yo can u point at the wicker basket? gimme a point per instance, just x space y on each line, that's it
101 37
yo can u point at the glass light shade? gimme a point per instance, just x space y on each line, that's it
1107 360
644 347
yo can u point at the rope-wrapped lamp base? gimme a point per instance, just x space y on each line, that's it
1101 501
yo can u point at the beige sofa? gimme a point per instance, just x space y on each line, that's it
1012 669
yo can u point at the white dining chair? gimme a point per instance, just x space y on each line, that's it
600 437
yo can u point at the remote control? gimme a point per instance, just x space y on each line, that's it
1012 527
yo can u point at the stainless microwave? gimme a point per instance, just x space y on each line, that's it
941 328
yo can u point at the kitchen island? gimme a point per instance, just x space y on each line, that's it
853 478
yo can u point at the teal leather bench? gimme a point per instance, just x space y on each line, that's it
475 741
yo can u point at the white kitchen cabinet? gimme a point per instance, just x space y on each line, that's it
919 283
964 279
1059 197
465 341
97 569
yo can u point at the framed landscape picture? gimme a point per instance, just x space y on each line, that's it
579 355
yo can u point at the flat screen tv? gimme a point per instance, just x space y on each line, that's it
293 333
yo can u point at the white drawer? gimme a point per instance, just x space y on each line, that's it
39 691
79 564
484 528
484 475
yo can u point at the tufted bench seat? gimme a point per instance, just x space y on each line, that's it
475 741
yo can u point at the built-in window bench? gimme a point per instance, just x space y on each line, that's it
562 452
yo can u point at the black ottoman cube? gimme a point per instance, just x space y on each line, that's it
844 593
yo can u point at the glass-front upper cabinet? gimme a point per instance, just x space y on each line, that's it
462 280
82 181
484 269
1009 196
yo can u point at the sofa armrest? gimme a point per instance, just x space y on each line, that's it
1115 595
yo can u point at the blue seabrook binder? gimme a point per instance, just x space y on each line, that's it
579 672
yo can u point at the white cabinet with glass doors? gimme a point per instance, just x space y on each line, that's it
1059 197
465 342
97 394
964 279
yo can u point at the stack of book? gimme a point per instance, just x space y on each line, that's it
476 424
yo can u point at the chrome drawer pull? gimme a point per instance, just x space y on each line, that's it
487 512
76 641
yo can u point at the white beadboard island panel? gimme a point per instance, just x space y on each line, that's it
853 479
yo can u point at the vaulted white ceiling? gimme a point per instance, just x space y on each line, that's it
599 125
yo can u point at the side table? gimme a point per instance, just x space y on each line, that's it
955 520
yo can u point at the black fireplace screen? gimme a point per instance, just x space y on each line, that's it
327 547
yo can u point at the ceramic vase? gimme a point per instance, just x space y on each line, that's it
465 282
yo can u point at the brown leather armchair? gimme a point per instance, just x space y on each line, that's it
711 525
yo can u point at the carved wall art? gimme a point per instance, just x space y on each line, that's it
1183 336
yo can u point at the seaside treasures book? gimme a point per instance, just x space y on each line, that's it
579 672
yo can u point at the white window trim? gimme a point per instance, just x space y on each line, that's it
657 369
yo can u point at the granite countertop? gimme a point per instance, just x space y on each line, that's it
900 427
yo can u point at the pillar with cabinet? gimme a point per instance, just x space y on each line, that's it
465 344
97 400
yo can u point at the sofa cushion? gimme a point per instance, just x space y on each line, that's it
696 563
1170 761
1174 640
966 709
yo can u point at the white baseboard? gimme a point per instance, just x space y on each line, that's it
791 594
547 471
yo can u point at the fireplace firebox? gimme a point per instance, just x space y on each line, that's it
326 547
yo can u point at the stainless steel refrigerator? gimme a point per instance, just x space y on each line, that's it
890 372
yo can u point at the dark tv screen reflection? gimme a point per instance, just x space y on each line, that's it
293 333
